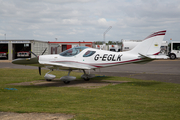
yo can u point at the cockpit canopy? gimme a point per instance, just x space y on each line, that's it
73 51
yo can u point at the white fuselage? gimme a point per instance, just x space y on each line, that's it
101 58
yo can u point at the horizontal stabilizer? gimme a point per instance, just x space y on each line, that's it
154 56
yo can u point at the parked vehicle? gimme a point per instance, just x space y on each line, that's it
174 50
129 44
23 54
115 48
3 54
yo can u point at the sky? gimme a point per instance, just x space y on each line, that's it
87 20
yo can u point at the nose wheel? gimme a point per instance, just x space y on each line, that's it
48 76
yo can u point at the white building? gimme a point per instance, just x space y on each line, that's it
12 49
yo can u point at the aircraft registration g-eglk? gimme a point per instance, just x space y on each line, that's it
85 58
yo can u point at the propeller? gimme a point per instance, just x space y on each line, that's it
39 68
33 53
44 51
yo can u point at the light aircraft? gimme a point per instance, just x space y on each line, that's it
85 58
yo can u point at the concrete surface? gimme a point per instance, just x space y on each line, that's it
159 70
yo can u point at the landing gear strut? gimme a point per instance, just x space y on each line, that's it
86 76
48 76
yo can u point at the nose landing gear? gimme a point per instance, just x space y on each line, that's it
48 76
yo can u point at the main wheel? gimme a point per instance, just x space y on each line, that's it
172 56
86 79
48 80
66 82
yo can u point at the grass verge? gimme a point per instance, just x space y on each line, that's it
137 99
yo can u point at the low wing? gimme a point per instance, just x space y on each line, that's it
65 65
51 64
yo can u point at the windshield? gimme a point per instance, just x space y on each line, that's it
72 51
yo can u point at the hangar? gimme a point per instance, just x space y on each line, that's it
13 49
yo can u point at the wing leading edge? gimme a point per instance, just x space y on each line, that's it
67 65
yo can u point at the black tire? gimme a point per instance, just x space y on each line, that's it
172 56
86 79
66 82
48 80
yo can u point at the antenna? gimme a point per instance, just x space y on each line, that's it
106 32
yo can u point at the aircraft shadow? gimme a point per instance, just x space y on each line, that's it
95 82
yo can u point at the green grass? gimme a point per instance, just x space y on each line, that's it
137 99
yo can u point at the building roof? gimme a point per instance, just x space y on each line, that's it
70 42
19 41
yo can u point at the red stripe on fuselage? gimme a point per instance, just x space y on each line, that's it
102 64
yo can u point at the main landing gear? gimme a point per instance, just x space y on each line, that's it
67 79
87 77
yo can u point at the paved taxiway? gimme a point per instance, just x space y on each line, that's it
159 70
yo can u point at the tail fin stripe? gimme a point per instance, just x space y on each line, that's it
156 34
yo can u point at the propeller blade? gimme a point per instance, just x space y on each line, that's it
44 51
33 53
39 70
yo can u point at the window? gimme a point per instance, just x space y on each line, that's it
176 46
72 52
126 47
89 53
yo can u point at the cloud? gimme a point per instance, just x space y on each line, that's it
71 21
86 20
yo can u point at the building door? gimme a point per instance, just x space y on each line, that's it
3 51
53 50
64 47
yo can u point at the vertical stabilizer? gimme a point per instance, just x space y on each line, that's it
150 45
